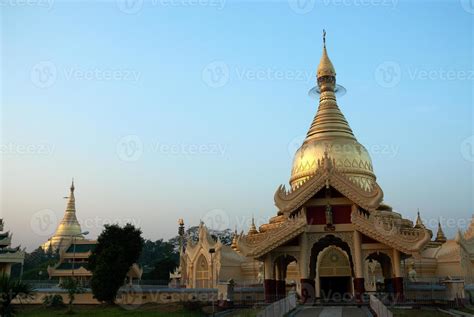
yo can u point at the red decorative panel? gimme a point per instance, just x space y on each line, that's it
316 215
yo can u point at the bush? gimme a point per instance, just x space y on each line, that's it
53 301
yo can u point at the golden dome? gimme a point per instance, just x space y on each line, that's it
331 133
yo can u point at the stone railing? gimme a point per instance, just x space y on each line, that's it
280 308
379 308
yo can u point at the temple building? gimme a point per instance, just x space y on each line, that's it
333 224
207 262
73 261
8 255
74 250
333 233
68 230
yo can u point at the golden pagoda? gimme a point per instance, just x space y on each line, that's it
69 228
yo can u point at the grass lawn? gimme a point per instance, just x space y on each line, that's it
103 311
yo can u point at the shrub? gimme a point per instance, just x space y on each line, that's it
53 301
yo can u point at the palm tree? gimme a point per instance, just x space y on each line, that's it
9 290
73 287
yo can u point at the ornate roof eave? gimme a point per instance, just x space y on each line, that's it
257 245
289 201
467 244
390 232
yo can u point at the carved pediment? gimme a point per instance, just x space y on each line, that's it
368 197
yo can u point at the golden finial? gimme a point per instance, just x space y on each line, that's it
419 222
325 67
440 237
253 228
72 185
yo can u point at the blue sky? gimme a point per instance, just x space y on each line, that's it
177 108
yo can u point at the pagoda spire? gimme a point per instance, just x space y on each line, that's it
419 222
253 228
440 237
329 121
69 227
71 204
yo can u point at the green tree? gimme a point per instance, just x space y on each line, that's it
163 268
73 287
9 290
117 249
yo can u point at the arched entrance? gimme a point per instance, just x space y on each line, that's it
282 263
379 272
202 272
332 268
334 273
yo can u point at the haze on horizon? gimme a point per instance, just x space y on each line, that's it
167 110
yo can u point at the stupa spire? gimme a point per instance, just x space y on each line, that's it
253 228
71 203
419 222
440 237
69 228
329 121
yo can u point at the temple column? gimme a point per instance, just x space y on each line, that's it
269 280
307 284
398 279
359 288
280 279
